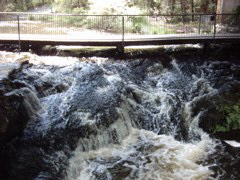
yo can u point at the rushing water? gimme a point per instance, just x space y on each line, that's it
114 119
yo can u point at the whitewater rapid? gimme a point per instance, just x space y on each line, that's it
107 119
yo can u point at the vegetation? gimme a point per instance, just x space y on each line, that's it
71 6
236 18
22 5
151 7
156 7
135 24
232 114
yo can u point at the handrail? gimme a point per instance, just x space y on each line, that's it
170 15
177 25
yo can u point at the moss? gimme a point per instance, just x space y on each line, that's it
232 120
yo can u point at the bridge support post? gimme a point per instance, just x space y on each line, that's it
206 47
19 38
25 47
120 49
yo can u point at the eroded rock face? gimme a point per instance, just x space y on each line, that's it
222 89
17 107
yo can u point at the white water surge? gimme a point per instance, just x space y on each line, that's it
127 148
142 154
148 155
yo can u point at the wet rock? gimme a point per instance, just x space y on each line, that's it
16 109
39 78
225 161
229 135
40 164
120 171
209 105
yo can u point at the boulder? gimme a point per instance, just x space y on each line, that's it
17 107
212 116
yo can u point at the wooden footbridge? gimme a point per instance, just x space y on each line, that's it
117 30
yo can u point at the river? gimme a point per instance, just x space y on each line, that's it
104 118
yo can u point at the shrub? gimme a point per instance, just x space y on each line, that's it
136 24
232 113
236 18
10 7
106 23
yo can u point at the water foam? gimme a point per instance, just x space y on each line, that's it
147 155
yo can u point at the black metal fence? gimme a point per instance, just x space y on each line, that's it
112 27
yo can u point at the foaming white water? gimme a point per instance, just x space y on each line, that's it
141 154
118 150
201 88
146 155
15 57
54 60
8 62
34 59
114 133
233 143
175 65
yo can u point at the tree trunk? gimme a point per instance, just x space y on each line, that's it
214 7
205 6
183 9
192 9
173 2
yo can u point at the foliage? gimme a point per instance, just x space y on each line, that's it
23 5
157 7
235 19
37 3
71 6
136 24
150 7
133 24
232 113
77 20
9 7
109 24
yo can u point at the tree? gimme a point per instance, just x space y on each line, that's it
192 9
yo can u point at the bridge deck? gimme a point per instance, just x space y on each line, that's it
129 40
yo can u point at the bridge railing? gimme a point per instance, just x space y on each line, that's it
117 27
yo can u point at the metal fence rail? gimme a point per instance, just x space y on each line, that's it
116 27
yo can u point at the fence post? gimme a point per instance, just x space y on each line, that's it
19 38
120 47
214 27
123 30
199 24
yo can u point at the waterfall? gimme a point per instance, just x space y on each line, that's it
101 118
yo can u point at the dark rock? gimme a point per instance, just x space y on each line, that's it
225 161
16 109
209 105
229 135
40 164
119 171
